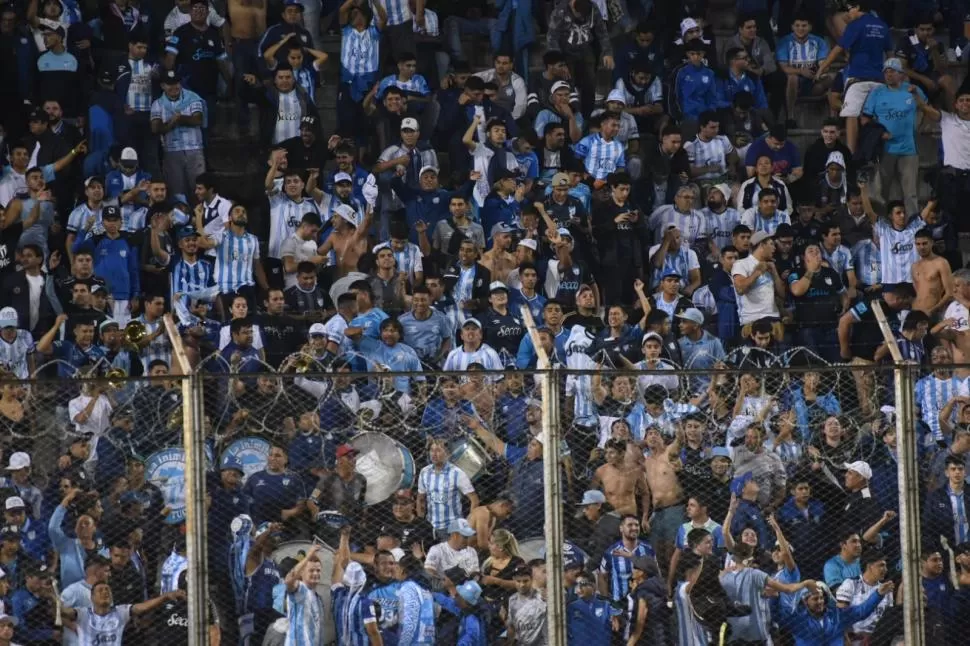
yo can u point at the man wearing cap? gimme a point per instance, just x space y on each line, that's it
565 209
406 158
757 282
117 260
33 605
503 328
17 349
177 116
894 107
453 551
862 512
699 348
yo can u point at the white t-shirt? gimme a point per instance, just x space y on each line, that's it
94 629
759 301
855 592
956 141
441 558
958 312
36 286
300 250
98 421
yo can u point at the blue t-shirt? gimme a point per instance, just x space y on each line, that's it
896 110
866 39
783 161
273 492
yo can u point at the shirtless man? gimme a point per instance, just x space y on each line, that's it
484 519
931 277
498 259
621 484
661 467
347 240
247 21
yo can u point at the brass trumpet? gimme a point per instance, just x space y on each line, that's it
135 332
116 378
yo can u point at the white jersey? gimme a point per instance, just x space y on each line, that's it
580 386
959 313
304 610
855 592
102 630
897 250
285 216
334 329
458 359
13 354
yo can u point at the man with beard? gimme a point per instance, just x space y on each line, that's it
719 218
237 267
413 529
340 193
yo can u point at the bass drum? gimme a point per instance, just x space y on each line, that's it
385 463
298 550
470 456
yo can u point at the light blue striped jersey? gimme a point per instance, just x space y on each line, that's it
417 84
13 355
717 532
398 11
867 262
932 394
654 93
304 610
360 53
600 157
159 349
408 259
897 249
620 568
692 224
235 256
182 137
139 96
547 116
285 216
681 261
351 616
747 586
288 115
718 226
190 277
840 260
801 54
79 216
754 220
443 490
690 632
458 359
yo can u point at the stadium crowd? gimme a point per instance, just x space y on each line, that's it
631 174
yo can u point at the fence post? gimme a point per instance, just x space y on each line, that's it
909 515
555 593
193 445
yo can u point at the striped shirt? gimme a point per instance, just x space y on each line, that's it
897 249
417 84
547 116
654 93
840 260
190 277
79 217
407 260
235 256
458 359
682 261
288 114
443 490
692 225
360 54
600 157
867 262
180 138
809 53
334 331
139 96
304 611
754 220
620 568
159 349
285 216
718 226
667 420
398 11
708 153
690 632
13 354
352 614
580 388
932 394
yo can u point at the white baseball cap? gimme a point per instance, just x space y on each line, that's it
409 124
616 95
129 154
528 243
14 502
559 85
317 328
347 213
342 177
8 317
18 461
860 467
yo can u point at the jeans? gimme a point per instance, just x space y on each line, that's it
455 26
905 170
180 168
144 142
821 340
312 10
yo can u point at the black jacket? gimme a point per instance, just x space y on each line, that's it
16 294
480 291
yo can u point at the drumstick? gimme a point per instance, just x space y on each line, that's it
57 604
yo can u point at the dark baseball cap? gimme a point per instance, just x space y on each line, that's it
170 77
110 212
784 230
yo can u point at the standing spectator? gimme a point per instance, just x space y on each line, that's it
798 55
579 29
526 622
893 107
757 282
178 116
865 41
441 486
197 51
616 568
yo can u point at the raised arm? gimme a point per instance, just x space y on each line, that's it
152 604
469 137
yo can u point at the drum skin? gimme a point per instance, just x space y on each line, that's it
385 463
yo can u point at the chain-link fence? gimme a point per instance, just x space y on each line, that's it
690 499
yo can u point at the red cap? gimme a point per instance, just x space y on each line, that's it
345 450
